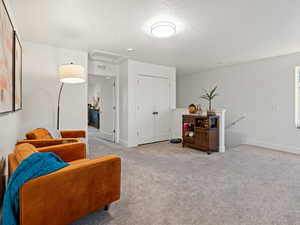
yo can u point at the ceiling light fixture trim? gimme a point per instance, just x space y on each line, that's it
163 29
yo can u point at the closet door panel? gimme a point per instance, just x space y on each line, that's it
161 95
107 116
145 118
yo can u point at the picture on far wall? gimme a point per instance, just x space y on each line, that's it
17 73
6 60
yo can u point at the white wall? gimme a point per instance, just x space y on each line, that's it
263 90
41 86
10 122
9 132
123 103
103 68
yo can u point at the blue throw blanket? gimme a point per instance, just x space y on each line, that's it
36 165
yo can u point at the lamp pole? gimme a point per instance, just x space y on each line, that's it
58 104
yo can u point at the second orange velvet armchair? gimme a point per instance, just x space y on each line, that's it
41 137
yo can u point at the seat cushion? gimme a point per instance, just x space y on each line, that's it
78 161
23 151
39 133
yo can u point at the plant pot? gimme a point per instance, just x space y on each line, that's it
211 113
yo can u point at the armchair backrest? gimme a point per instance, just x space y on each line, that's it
20 153
67 152
39 133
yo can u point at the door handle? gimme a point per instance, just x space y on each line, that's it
155 113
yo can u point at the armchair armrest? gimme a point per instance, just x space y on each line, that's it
73 133
47 142
67 152
71 193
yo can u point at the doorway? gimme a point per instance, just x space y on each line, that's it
102 107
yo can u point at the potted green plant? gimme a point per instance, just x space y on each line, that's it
209 96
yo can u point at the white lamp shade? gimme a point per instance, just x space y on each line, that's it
71 73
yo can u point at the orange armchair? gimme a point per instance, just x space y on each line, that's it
41 137
61 197
42 133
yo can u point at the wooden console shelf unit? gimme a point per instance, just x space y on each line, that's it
201 132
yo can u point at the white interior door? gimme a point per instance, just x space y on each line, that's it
107 116
145 119
162 109
153 109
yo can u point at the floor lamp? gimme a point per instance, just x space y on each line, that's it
72 74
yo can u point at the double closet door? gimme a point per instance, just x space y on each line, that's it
153 109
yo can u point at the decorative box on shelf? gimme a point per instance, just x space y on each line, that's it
201 132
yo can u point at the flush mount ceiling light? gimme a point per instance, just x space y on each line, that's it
163 29
130 50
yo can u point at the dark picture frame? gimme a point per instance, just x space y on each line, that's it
17 77
6 60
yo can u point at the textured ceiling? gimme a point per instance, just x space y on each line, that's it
211 33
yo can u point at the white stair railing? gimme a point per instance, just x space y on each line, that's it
235 122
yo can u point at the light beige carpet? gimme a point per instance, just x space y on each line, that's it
165 184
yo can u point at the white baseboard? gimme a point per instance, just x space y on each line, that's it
175 137
222 149
274 146
123 142
106 135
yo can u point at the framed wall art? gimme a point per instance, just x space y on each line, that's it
6 60
17 78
